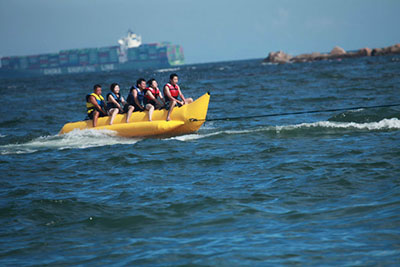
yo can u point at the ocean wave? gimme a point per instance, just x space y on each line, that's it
167 70
385 124
79 139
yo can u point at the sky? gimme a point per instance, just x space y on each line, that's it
208 30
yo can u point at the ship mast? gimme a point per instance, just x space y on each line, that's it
132 40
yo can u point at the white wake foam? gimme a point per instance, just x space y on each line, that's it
385 124
167 70
80 139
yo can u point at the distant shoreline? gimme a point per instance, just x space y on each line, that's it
336 53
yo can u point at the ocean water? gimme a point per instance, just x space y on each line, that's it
311 189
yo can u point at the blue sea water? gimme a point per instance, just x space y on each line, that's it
311 189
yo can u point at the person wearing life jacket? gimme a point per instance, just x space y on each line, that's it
136 98
173 95
153 95
95 105
116 103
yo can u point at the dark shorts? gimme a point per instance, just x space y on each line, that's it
154 104
151 102
90 115
119 111
167 104
126 108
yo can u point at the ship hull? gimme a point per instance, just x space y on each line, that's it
105 59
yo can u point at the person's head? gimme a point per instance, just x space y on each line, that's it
152 83
114 88
173 78
97 89
141 83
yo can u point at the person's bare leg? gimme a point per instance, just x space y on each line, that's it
150 108
188 100
95 117
129 113
113 112
171 107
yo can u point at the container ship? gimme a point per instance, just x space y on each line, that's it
129 54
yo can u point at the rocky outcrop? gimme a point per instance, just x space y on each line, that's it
394 49
336 53
278 57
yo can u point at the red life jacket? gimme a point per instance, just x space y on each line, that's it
173 89
155 92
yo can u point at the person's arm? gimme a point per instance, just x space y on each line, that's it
150 94
168 94
182 97
152 97
112 99
162 98
135 97
93 100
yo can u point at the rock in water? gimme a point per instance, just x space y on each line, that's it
337 51
278 57
365 52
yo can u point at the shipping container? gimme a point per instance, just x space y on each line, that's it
114 54
54 60
143 52
23 62
44 60
63 58
162 52
73 58
83 55
133 54
104 55
93 56
5 62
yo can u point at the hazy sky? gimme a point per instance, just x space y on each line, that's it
208 30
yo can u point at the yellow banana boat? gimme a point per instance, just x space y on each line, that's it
184 120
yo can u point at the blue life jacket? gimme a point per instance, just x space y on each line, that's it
110 104
140 95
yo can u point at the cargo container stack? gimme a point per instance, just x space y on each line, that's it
34 62
44 60
73 57
130 54
23 63
9 63
93 56
152 51
5 62
83 55
104 57
54 61
143 53
64 58
162 52
113 53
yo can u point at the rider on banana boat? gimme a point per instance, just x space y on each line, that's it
116 103
136 98
95 105
153 95
173 95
